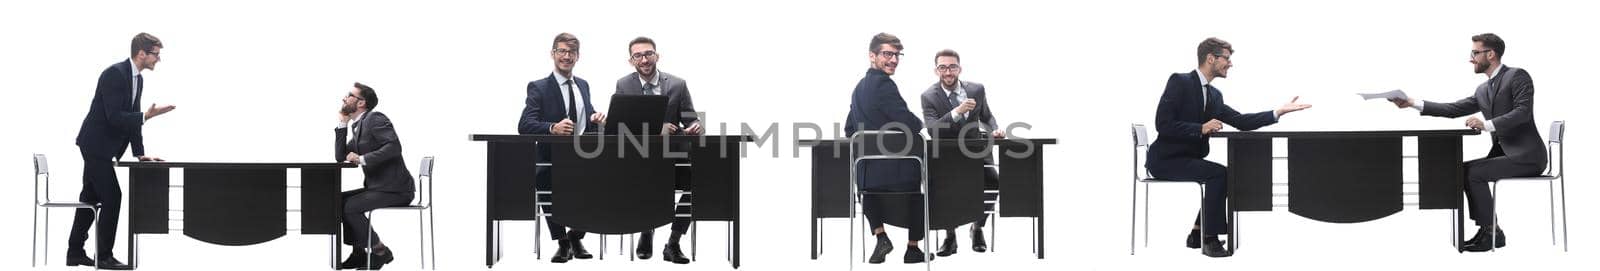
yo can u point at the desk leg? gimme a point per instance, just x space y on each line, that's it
735 243
1040 242
813 222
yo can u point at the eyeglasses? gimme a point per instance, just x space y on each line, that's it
1476 52
1228 57
642 55
353 95
945 68
890 54
564 52
153 53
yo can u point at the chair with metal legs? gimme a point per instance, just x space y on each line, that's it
1553 173
424 208
41 200
1141 140
888 145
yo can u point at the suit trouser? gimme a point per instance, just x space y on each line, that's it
542 182
1482 171
991 180
680 222
356 205
1213 207
100 187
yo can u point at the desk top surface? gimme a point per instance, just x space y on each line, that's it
1324 134
568 138
1002 142
237 165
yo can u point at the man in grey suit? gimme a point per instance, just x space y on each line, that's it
680 120
953 108
375 146
1506 100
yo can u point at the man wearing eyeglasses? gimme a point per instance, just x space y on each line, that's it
876 105
367 138
1506 100
559 105
680 120
113 123
956 109
1190 111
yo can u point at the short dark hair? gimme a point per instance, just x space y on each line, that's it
945 53
1493 42
567 38
885 38
1211 46
144 42
369 95
639 40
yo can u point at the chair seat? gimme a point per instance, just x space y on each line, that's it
405 207
1155 180
66 205
1530 178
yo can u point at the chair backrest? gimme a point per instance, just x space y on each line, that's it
41 186
425 182
1141 138
1558 131
887 143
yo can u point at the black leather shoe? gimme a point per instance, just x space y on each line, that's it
644 250
673 254
378 260
77 260
357 259
109 263
1480 242
915 255
578 251
949 246
878 252
1194 239
1215 248
563 252
978 244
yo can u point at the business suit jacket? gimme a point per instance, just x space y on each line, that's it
1507 101
874 105
676 90
114 121
936 113
1183 111
379 147
544 108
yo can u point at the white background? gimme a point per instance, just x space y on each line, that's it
260 82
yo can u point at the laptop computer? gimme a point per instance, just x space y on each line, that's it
641 114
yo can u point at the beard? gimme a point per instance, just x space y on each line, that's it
1481 67
347 109
646 71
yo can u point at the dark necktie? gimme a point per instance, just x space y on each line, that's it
955 101
138 87
650 89
572 106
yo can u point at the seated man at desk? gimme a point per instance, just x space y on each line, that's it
680 120
876 104
553 107
956 109
373 144
1506 100
1189 112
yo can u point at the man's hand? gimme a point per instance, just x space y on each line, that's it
1211 127
598 118
997 134
352 157
1292 106
1403 103
966 106
148 158
562 128
694 129
669 129
1475 123
157 110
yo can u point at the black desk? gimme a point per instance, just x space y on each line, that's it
1021 181
511 195
1346 176
234 204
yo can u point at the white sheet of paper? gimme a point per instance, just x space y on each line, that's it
1392 94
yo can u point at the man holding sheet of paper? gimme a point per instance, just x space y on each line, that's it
1506 100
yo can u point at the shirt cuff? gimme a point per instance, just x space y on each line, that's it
363 160
1488 125
342 126
1418 106
956 117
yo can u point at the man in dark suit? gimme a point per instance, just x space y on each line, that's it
113 123
681 119
1189 112
1506 100
959 109
559 105
376 147
876 104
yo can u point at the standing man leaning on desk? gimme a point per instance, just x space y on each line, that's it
1190 110
680 120
959 109
876 105
375 146
1506 99
553 108
113 123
